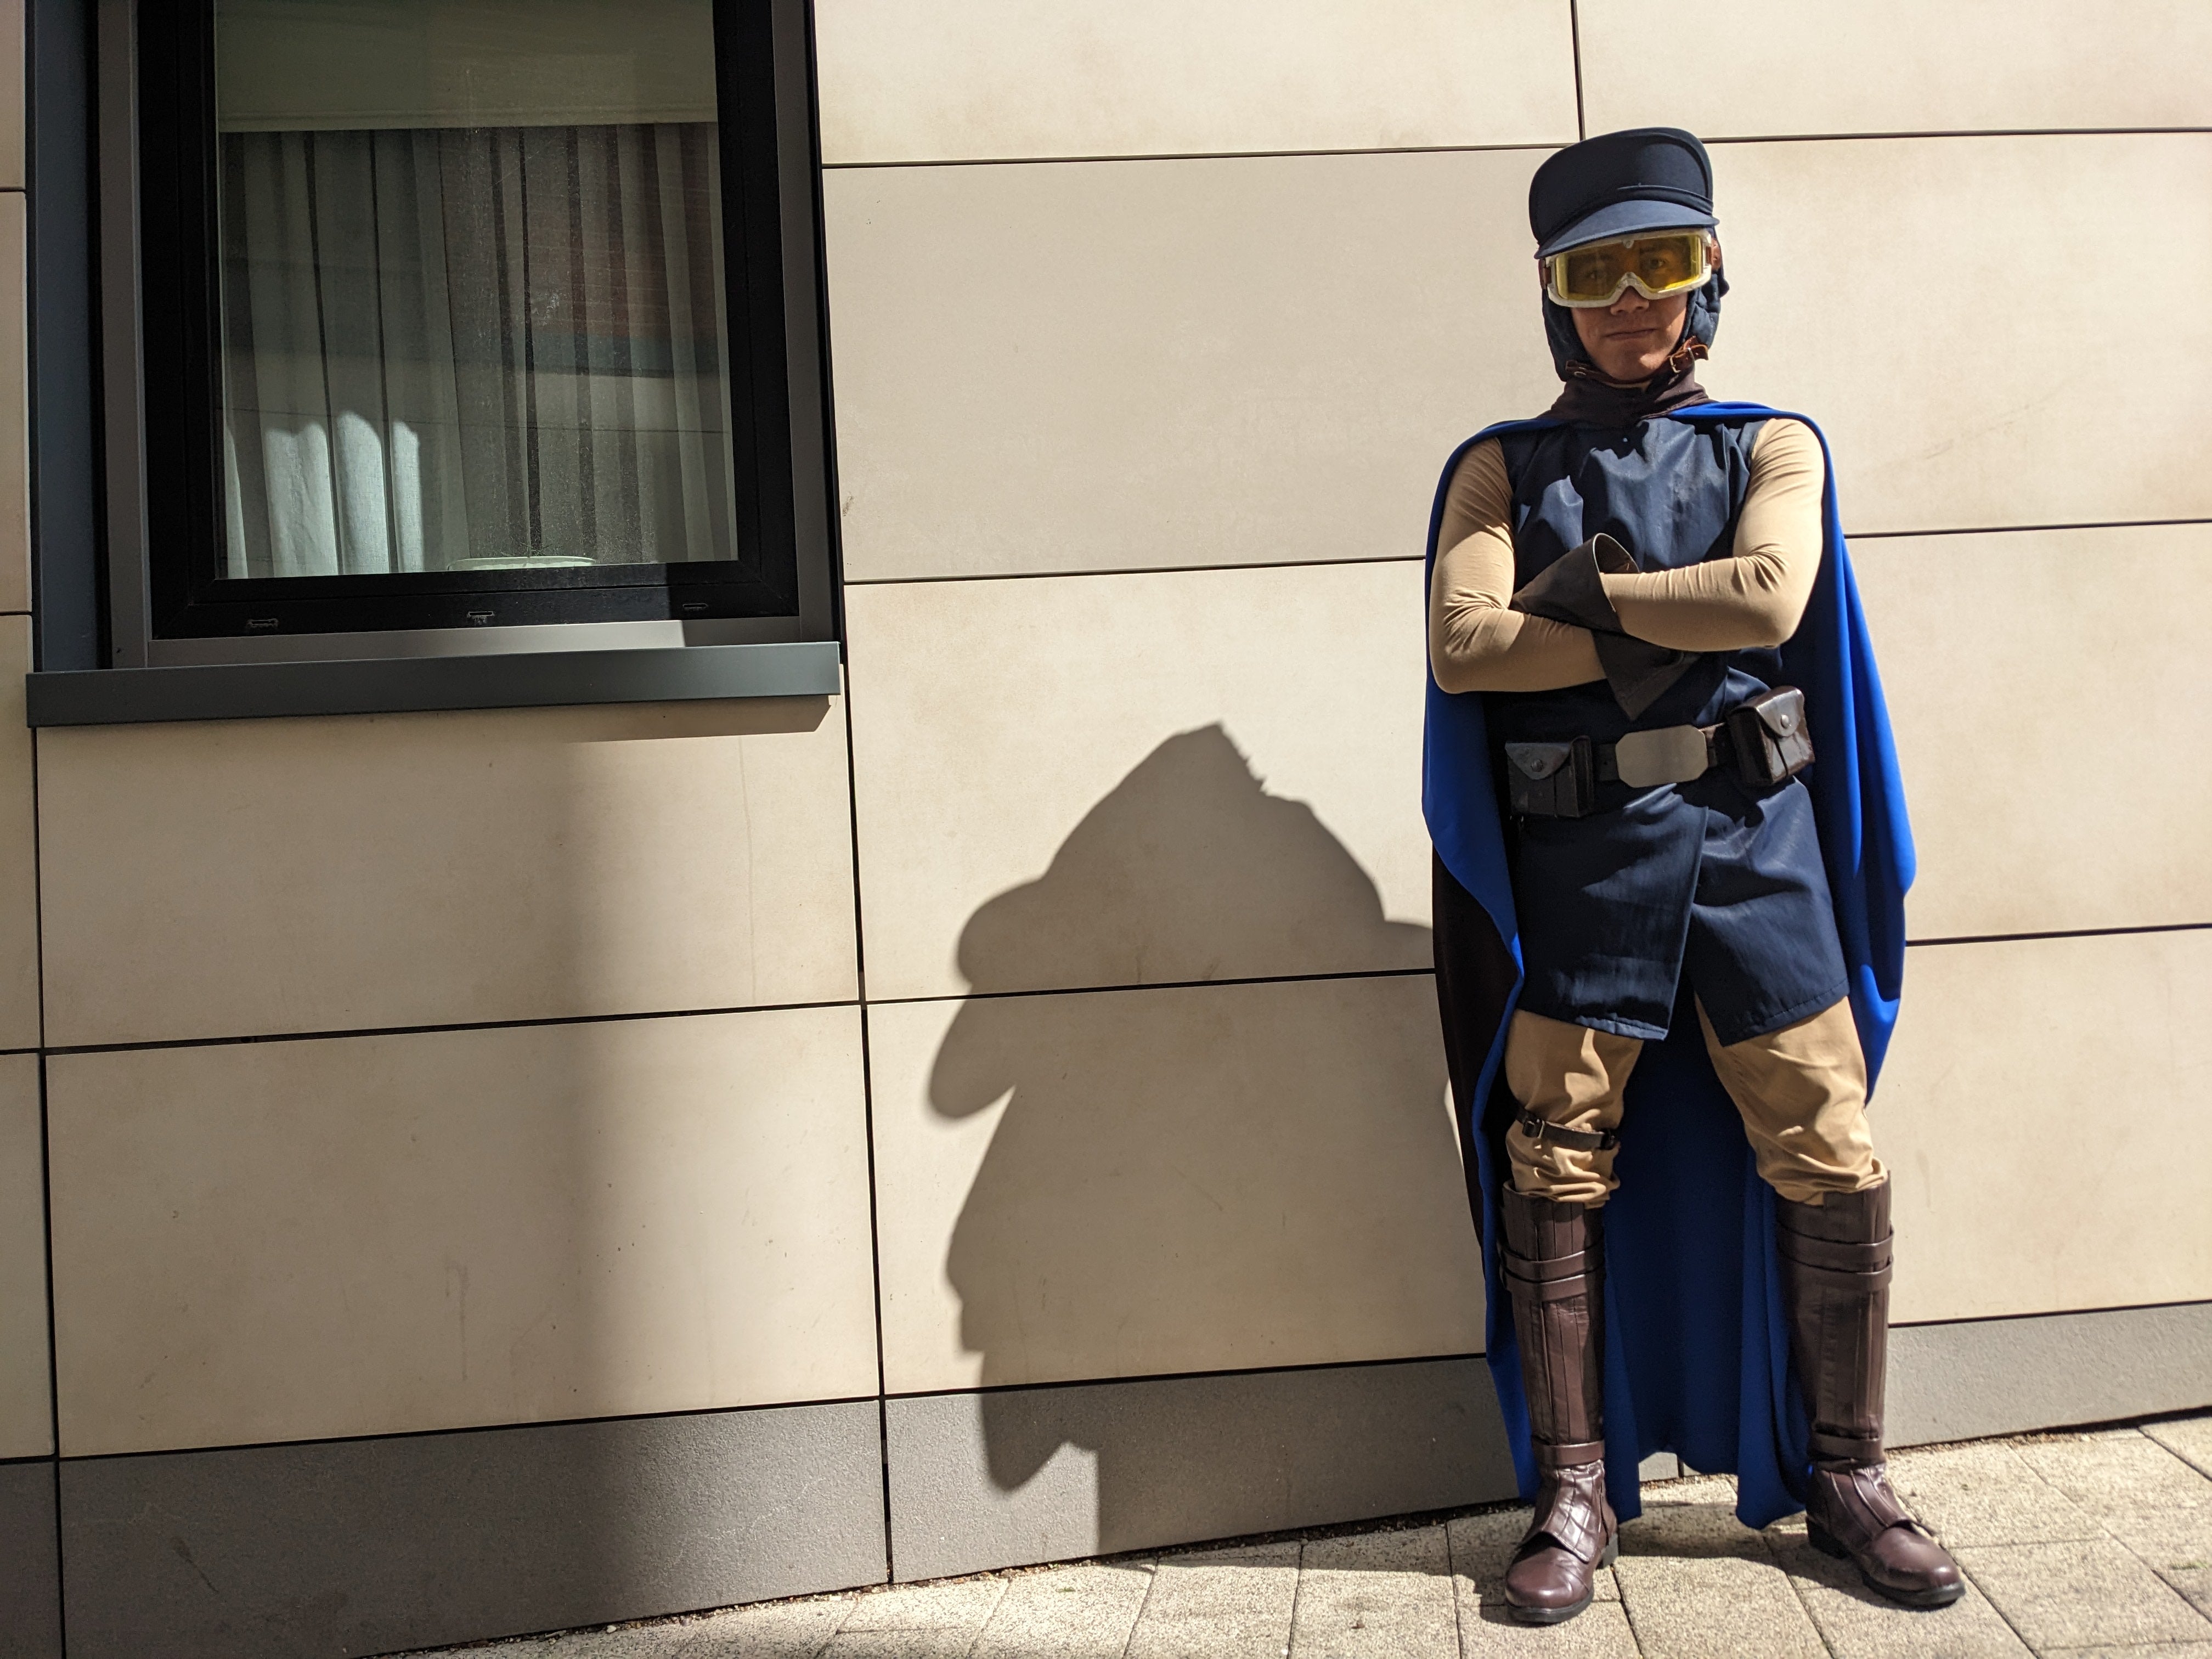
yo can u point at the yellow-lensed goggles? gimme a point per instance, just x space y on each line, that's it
1662 262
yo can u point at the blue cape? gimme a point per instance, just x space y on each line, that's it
1697 1348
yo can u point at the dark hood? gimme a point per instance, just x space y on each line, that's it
1587 397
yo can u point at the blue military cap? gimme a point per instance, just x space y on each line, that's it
1617 184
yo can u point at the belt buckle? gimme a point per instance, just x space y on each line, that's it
1671 754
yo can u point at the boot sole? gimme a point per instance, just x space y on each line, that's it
1560 1615
1829 1545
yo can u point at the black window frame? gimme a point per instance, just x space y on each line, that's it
156 342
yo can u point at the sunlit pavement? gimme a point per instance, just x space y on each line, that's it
2081 1545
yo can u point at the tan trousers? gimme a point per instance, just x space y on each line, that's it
1801 1090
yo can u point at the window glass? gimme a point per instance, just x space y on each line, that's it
472 297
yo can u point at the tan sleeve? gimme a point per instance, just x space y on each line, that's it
1755 597
1475 643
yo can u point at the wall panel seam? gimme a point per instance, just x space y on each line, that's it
1158 985
451 1431
1423 973
1109 158
1417 559
868 1138
1952 132
2062 933
2022 529
1139 1378
343 1033
1116 156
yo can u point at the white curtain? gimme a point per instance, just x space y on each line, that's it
473 348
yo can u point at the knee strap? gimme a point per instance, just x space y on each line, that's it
1581 1141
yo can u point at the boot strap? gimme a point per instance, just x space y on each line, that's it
1845 1448
1550 1289
1581 1141
1567 1454
1832 1257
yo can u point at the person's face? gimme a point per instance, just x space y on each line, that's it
1630 339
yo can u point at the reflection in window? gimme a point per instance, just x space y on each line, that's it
463 328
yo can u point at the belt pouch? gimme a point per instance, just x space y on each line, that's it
1550 779
1768 736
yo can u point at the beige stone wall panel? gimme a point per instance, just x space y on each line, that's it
1977 375
2047 1114
970 79
1139 779
1758 70
26 1421
19 847
373 1235
2045 688
238 878
1140 365
1128 1183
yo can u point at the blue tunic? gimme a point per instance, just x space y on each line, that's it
1697 1357
1708 875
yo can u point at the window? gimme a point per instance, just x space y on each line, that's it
467 325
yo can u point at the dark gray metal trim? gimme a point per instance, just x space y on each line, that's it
1012 1476
355 1546
1989 1376
62 404
30 1576
528 679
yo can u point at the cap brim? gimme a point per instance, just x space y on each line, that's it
1626 219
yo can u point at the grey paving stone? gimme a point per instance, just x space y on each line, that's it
1857 1624
1695 1489
2080 1593
1986 1494
917 1621
1482 1547
2188 1438
2122 1478
1716 1606
1216 1603
1598 1632
2163 1650
1380 1594
1692 1518
900 1644
1067 1613
2152 1500
774 1629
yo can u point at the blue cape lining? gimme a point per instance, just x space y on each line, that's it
1697 1355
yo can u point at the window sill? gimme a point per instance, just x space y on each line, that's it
530 680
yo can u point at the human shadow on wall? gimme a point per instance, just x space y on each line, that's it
1193 1180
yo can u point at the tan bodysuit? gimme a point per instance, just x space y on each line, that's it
1801 1090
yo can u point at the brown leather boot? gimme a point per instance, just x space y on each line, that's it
1835 1275
1554 1261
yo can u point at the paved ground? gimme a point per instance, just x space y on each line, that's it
2089 1546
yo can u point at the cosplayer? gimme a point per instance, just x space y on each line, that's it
1671 848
